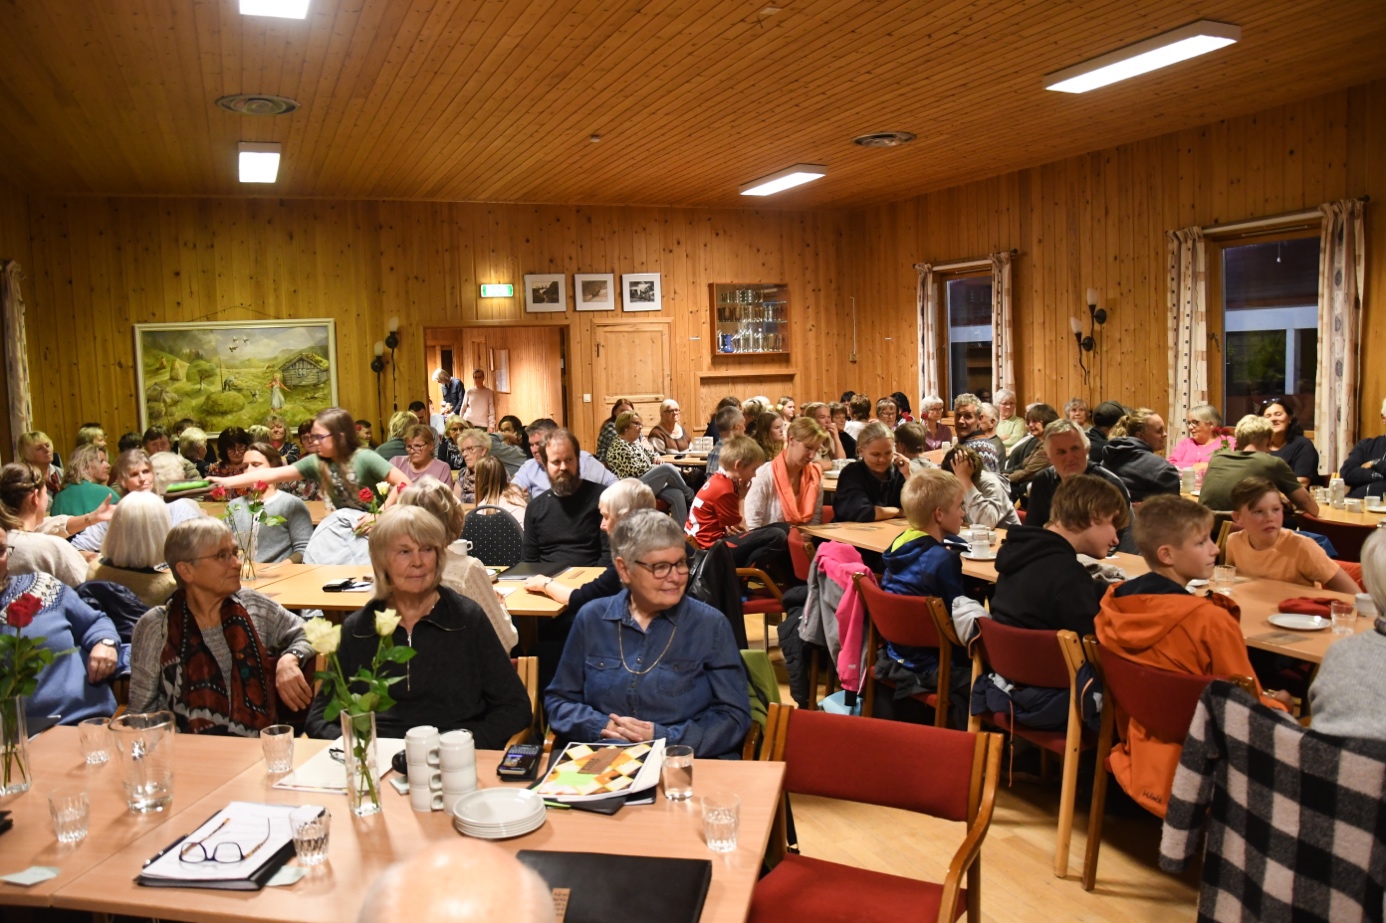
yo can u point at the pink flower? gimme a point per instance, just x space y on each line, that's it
218 494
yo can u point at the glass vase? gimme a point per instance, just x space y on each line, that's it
248 539
14 747
362 772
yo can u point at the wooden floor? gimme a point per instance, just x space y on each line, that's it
1018 882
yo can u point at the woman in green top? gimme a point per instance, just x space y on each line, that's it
85 480
342 467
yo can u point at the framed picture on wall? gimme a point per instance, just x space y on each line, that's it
546 293
640 291
235 373
594 291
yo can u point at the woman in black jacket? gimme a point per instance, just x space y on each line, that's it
869 490
1131 455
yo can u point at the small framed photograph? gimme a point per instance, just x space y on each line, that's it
640 291
594 291
545 293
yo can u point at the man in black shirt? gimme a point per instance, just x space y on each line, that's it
563 524
1066 446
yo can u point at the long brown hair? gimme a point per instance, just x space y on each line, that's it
17 481
491 480
341 430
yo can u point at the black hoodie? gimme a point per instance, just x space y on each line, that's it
1144 473
1040 583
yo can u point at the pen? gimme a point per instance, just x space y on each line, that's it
163 852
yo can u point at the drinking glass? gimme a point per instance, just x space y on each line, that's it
678 773
277 741
721 817
1344 617
69 809
310 837
1224 578
144 747
96 739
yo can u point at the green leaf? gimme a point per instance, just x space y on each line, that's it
399 654
332 710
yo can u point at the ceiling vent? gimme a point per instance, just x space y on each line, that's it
885 139
257 104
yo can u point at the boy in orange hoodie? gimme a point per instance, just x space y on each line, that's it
1154 621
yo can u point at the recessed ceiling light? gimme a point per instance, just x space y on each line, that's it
259 161
280 9
1143 57
788 178
884 139
257 104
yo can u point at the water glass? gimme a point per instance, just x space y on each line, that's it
721 817
144 749
96 739
1352 505
1344 617
310 837
69 809
678 773
277 741
1224 578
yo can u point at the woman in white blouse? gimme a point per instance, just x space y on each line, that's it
790 488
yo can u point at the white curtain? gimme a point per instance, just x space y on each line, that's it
1342 262
16 352
1002 343
926 307
1187 293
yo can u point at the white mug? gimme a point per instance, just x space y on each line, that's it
1366 606
421 745
459 780
461 547
423 800
422 776
456 760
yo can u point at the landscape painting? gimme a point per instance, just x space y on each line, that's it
236 373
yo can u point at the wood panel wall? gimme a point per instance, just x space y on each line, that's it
1099 220
14 245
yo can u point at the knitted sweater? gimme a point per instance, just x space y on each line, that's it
1348 698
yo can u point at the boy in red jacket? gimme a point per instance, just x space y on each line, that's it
1155 621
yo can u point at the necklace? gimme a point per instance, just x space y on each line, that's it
621 643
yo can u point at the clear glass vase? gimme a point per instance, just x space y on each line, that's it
362 772
248 539
14 747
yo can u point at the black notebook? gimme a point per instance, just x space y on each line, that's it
523 571
599 886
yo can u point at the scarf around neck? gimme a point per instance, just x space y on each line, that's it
202 698
797 510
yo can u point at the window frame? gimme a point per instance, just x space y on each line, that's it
945 344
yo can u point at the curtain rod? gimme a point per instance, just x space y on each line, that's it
1258 223
968 264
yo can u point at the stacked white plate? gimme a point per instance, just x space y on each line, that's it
498 813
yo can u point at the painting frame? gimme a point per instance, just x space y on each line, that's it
641 291
539 287
603 299
303 362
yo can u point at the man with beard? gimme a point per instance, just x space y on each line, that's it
534 478
563 524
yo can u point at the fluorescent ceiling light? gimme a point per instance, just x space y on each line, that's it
796 175
259 162
280 9
1143 57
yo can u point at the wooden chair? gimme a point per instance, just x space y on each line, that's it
1346 537
1049 659
914 622
1224 530
528 668
767 602
937 772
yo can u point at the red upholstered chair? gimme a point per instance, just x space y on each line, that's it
766 600
827 513
1346 537
1353 570
800 554
1161 700
1040 658
914 622
933 771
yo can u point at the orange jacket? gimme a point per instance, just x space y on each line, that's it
1154 621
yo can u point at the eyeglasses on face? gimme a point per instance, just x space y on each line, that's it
312 437
661 569
224 852
222 557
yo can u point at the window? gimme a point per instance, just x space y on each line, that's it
446 361
967 305
1267 318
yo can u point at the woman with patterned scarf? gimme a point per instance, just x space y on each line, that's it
209 655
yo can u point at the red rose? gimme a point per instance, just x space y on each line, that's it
261 486
218 494
21 612
366 495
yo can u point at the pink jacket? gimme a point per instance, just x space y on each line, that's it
839 562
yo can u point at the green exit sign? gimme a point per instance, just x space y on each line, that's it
498 290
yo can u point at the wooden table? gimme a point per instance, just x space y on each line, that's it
686 460
200 765
1366 519
869 536
360 849
316 508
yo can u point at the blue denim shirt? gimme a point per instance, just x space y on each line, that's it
696 694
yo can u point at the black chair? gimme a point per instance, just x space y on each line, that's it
497 539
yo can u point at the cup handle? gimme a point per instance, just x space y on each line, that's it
437 801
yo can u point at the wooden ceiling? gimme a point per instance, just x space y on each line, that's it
494 100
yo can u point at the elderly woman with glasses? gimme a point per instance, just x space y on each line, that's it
650 662
475 445
669 435
223 659
461 677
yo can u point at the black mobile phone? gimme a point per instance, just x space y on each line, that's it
520 762
337 586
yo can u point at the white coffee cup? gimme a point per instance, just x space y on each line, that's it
459 780
461 547
424 800
421 745
423 776
450 799
1366 606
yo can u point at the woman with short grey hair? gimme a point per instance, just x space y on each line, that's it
474 445
209 655
651 662
132 554
1202 441
1348 697
936 434
1010 425
461 677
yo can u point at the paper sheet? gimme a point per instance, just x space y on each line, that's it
323 773
248 825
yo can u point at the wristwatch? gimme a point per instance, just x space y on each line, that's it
109 642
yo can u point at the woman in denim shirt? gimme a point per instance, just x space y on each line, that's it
651 662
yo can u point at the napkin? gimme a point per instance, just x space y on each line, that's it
1307 605
33 875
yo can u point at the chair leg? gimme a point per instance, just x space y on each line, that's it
1046 766
1068 794
1095 815
813 678
765 628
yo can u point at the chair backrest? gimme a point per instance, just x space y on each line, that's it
899 619
1029 656
1162 701
497 539
1347 538
894 764
800 554
528 668
713 580
1224 532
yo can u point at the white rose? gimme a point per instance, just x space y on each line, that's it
383 488
323 635
386 621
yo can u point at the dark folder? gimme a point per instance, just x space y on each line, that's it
525 570
602 888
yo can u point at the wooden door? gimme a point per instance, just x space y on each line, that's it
632 361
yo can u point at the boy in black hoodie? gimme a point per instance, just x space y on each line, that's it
1040 583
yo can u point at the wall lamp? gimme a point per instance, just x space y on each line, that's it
1096 318
391 342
